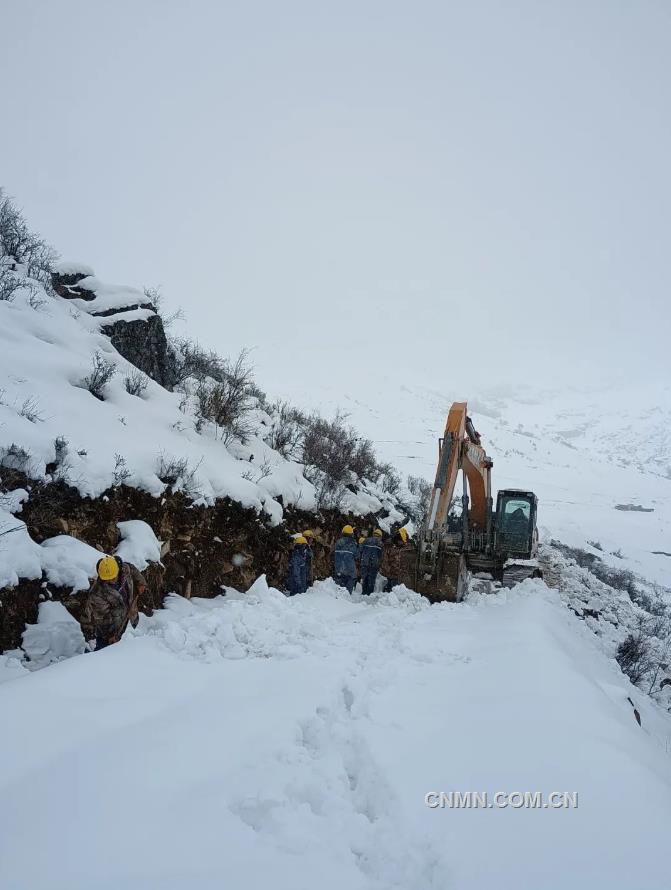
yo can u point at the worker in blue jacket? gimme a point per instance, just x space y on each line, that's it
297 581
345 557
371 557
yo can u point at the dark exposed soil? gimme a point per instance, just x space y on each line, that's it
203 547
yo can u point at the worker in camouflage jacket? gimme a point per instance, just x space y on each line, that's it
395 561
112 601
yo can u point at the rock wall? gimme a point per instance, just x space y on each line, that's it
142 342
204 548
145 345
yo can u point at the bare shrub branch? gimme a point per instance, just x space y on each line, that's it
121 472
178 475
226 402
102 372
31 410
22 245
136 383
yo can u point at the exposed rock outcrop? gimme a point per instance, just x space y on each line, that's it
130 319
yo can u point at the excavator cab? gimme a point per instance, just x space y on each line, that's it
516 534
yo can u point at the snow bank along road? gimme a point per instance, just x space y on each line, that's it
289 743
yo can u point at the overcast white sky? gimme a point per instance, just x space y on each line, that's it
418 190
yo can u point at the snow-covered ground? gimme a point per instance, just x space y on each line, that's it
258 741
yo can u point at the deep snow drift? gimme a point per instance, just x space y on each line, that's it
259 741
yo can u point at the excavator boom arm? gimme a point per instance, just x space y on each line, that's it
460 449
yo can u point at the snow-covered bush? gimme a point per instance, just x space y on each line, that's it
644 653
136 383
30 409
121 472
223 391
227 405
420 491
178 474
286 431
326 452
102 372
21 245
10 282
391 481
191 361
15 457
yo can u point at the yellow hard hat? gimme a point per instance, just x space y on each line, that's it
299 539
108 568
348 530
404 535
378 532
308 533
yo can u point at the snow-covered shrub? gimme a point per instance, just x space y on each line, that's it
228 401
136 383
10 283
326 450
420 490
178 474
22 245
391 481
121 472
190 360
644 653
61 466
31 410
102 372
286 431
363 460
15 457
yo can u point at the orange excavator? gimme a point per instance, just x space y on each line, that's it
501 542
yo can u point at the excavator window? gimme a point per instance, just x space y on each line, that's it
515 515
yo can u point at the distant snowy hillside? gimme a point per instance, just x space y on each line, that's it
583 453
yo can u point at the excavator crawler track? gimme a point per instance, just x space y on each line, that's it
513 575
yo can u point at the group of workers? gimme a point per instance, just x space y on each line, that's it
353 559
111 603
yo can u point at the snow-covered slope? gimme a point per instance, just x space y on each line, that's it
52 426
45 356
261 741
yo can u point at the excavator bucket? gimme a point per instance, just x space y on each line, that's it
446 581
